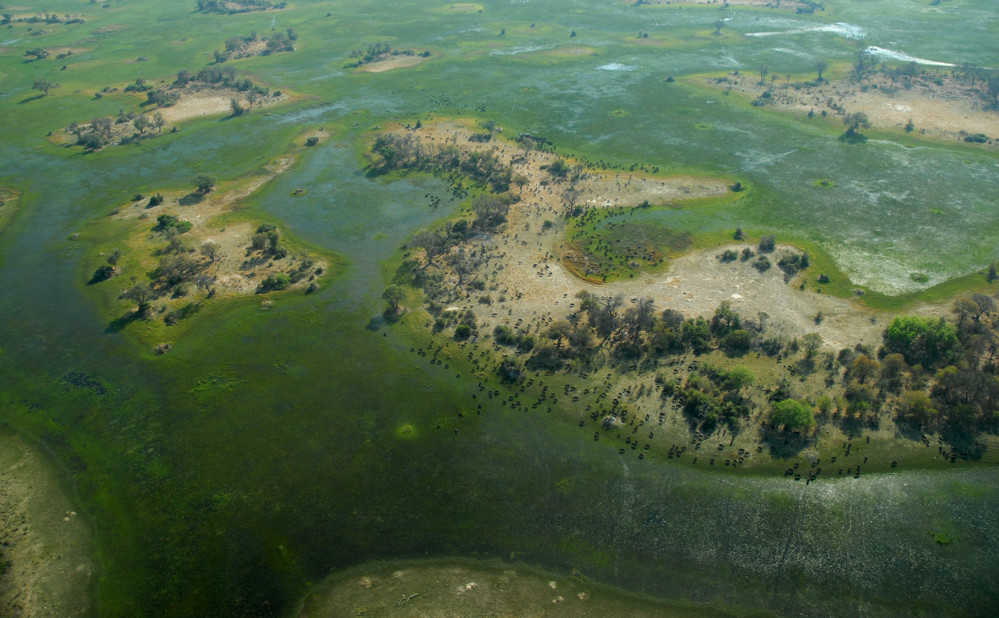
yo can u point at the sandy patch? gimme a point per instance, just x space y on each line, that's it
44 544
391 63
212 103
464 8
938 111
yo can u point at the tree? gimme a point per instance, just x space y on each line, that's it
864 367
432 242
158 122
141 123
43 85
204 183
792 415
811 342
141 294
922 340
393 295
820 68
719 23
739 377
211 250
490 211
854 121
763 74
251 98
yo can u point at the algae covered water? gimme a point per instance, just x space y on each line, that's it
277 444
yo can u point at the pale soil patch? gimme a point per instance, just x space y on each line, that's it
448 587
463 8
573 51
525 263
943 112
213 102
44 544
392 62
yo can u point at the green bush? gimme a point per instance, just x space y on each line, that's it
792 415
278 281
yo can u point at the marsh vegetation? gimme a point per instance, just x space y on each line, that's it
556 285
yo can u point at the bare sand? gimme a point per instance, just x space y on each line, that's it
44 544
392 62
214 102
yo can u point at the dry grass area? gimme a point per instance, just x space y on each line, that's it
45 567
530 285
947 110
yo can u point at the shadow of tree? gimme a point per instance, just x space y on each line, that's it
784 444
191 199
118 324
30 99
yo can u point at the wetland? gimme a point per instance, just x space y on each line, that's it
582 308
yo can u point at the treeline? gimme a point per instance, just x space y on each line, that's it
252 44
44 18
929 374
392 151
378 51
232 7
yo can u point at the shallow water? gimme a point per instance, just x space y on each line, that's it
262 453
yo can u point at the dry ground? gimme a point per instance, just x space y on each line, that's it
44 544
945 111
529 287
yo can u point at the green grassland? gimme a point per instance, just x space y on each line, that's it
267 450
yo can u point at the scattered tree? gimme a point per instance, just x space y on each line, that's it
43 85
820 68
204 183
853 122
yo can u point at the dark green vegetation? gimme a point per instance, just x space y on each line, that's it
262 452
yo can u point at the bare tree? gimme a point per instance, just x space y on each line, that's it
433 243
211 250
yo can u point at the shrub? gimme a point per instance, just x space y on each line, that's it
792 415
274 282
103 273
762 264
